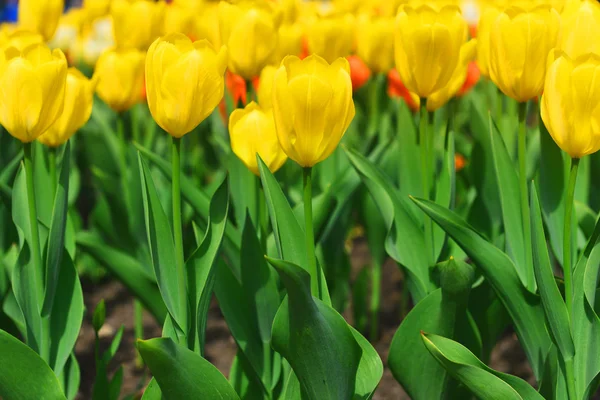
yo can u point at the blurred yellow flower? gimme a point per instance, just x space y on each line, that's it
90 45
184 82
120 76
520 41
20 39
179 19
206 24
40 16
374 42
289 42
313 107
442 96
427 46
68 29
252 131
488 18
580 30
330 36
570 104
265 87
96 8
249 29
138 23
79 98
32 90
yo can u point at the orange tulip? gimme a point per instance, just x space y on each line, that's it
397 89
473 75
359 72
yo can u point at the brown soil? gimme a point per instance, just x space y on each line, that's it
220 347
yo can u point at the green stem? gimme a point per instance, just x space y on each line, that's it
138 320
425 174
38 267
499 105
177 229
522 149
267 367
135 131
375 299
262 215
52 168
570 375
373 106
567 240
314 269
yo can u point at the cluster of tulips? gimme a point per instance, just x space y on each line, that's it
468 130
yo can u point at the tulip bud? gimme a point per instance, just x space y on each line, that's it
32 83
331 36
120 75
21 39
252 131
397 89
264 93
40 16
427 46
373 43
249 29
520 41
313 107
580 30
178 19
570 104
184 82
289 42
488 17
138 23
79 98
96 8
206 24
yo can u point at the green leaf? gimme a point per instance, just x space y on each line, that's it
56 239
71 377
128 270
244 186
405 242
554 306
484 382
162 248
319 344
523 307
183 374
23 374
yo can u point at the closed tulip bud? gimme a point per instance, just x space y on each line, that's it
570 104
179 19
373 43
265 87
21 39
520 41
184 82
79 98
331 36
289 42
40 16
442 96
580 30
313 107
488 17
252 132
32 83
249 30
427 46
120 75
138 23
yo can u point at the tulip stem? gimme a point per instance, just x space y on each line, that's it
52 168
138 329
177 230
38 268
425 174
522 149
314 269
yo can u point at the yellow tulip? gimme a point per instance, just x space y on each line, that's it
21 39
249 30
184 82
138 23
32 90
206 24
442 96
427 46
581 29
265 87
289 42
178 19
96 8
120 75
40 16
330 36
520 41
252 132
488 17
68 28
374 44
313 107
79 98
570 104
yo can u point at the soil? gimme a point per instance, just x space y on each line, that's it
220 346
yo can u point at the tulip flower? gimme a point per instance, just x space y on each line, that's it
21 39
580 30
137 23
120 75
289 42
249 29
359 72
330 36
427 46
373 44
32 83
206 24
252 132
488 17
264 91
397 89
473 75
520 41
313 107
178 19
96 8
40 16
79 98
184 81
